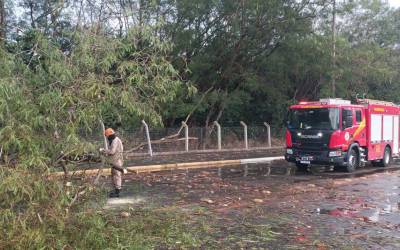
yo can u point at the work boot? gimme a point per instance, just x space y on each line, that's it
114 194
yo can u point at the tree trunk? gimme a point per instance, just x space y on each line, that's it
207 126
141 9
2 21
33 25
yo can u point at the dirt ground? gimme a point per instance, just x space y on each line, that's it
273 206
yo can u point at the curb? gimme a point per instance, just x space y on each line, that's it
173 166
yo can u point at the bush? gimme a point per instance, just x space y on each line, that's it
37 213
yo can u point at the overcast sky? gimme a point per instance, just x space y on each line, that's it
395 3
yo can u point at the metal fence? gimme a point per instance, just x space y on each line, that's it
148 140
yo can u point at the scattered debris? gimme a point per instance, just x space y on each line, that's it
209 201
125 214
304 210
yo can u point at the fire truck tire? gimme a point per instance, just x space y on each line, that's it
387 158
375 163
353 159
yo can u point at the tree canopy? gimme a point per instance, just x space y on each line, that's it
71 63
66 64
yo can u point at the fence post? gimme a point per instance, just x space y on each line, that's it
269 133
246 143
268 171
218 134
103 128
148 137
185 126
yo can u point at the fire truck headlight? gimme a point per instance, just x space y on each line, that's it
335 153
289 151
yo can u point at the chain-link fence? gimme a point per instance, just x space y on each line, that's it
181 139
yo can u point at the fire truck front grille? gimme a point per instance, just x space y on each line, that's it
313 146
314 152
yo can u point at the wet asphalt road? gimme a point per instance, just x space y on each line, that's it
304 210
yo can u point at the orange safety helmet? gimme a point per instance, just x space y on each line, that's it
109 132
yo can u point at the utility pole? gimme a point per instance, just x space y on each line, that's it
334 49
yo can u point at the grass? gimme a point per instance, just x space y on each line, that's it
36 213
144 229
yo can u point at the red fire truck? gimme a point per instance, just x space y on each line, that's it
335 132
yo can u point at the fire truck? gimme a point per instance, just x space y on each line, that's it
335 132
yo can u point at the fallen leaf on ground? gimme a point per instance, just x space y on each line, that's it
301 238
209 201
321 246
125 214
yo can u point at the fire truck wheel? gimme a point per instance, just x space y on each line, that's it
387 158
353 160
376 163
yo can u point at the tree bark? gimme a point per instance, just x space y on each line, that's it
33 25
2 21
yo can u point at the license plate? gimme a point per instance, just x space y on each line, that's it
306 159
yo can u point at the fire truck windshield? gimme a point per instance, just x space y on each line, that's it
316 118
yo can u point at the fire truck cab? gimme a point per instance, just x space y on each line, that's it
335 132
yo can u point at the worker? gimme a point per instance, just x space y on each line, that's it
115 159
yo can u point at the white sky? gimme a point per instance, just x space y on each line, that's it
394 3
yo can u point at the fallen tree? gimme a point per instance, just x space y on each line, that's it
49 96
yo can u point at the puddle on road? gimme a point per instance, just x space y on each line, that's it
255 170
386 204
260 170
376 201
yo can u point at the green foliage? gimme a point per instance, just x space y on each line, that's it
228 47
49 98
45 90
261 56
227 60
36 213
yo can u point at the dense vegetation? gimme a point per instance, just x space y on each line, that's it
245 60
66 64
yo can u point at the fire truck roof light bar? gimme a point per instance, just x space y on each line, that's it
335 101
